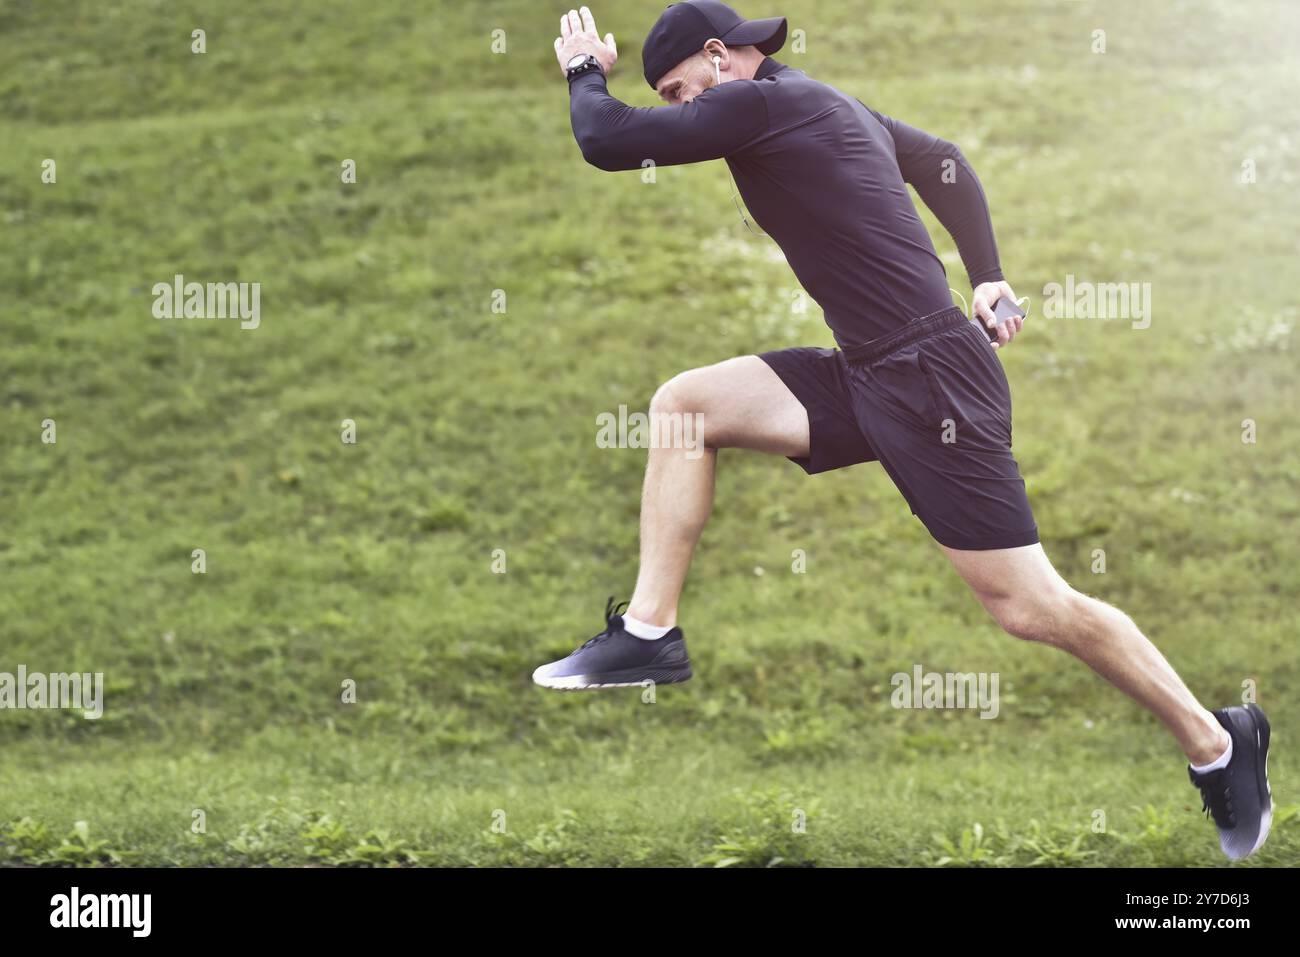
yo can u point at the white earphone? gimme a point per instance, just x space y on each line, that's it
717 69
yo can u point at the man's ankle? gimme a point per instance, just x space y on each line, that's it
653 614
1213 748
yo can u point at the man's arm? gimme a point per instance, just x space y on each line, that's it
948 185
615 136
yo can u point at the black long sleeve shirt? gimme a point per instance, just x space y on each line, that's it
824 175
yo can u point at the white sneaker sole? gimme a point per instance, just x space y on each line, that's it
584 683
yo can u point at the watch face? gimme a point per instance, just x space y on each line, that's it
577 60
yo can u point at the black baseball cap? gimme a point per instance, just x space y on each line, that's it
685 27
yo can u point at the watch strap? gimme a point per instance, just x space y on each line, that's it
589 65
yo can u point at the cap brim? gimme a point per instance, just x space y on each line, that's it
767 34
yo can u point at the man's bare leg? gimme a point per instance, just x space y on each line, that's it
744 404
1029 599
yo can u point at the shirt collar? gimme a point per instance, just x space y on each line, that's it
768 67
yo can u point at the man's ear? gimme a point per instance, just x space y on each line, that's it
716 48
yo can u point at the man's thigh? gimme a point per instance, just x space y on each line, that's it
1000 575
1023 592
744 404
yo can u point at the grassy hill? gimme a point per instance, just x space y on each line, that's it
372 563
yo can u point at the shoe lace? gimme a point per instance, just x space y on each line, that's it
612 611
1216 796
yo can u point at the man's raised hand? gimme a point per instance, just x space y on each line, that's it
578 35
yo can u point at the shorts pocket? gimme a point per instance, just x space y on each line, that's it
938 398
971 389
905 389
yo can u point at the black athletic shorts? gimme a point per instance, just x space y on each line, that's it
931 403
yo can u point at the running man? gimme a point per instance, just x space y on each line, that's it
914 384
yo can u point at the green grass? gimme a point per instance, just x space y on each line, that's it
372 562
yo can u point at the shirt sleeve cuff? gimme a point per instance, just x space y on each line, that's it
593 78
989 275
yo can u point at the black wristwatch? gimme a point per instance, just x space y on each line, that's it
581 63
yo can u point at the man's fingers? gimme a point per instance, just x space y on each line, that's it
566 31
588 21
575 22
609 42
984 313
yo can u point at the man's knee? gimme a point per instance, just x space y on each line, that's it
677 412
1050 617
678 395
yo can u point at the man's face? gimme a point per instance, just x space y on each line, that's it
687 80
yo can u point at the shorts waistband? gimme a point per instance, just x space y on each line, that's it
949 318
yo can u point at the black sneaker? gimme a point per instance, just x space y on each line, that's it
615 659
1238 796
